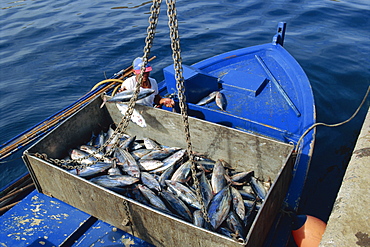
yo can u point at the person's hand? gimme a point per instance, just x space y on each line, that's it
121 89
167 102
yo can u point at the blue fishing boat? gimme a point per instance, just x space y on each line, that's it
267 102
266 92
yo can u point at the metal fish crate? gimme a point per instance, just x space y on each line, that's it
244 151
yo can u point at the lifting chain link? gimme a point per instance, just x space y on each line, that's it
176 55
153 20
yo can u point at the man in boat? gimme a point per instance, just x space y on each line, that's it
147 82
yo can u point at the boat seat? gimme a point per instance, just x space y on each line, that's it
250 83
194 91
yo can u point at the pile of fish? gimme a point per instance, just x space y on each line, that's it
160 177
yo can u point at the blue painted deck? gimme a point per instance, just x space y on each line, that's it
39 220
254 102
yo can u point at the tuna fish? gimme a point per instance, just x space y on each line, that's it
114 180
166 175
139 153
149 180
151 144
159 154
150 165
220 101
235 224
242 177
208 98
130 166
178 206
205 189
126 95
153 199
77 154
198 218
218 180
258 188
128 143
94 151
182 173
184 193
219 207
237 202
170 161
95 169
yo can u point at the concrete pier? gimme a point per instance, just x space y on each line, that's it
349 222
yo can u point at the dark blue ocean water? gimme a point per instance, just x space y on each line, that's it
52 52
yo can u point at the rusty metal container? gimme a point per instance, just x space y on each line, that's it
244 151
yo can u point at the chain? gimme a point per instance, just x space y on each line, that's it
122 126
153 20
176 55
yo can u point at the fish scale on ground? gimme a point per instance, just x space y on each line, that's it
160 177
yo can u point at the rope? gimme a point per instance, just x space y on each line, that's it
333 125
127 72
105 81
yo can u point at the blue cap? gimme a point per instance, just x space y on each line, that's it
138 63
